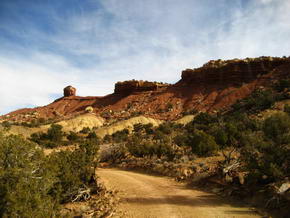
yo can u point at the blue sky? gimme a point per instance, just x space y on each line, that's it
91 44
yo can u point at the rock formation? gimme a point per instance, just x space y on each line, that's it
214 86
69 91
231 72
131 86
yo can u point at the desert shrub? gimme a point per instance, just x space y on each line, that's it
105 114
202 144
267 161
41 120
169 106
120 136
148 128
138 128
143 148
138 148
190 112
267 152
74 170
136 113
158 135
85 130
160 110
51 139
277 127
221 137
72 136
165 128
25 181
107 138
33 185
113 153
204 118
282 84
233 133
6 124
54 133
257 101
181 140
93 135
287 109
36 137
34 123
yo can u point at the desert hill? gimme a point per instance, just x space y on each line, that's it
213 87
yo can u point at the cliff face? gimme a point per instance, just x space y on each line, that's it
214 86
231 72
132 86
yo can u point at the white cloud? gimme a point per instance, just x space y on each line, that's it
152 40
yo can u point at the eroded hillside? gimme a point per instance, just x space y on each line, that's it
214 86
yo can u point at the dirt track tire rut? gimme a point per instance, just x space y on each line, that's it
147 196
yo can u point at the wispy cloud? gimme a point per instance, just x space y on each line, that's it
91 44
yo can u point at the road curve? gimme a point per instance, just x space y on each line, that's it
147 196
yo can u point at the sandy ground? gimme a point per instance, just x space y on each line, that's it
147 196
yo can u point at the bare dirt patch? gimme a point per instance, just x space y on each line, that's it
151 196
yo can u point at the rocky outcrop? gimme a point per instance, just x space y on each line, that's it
69 91
131 86
231 72
214 86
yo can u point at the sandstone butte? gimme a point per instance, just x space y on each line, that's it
214 86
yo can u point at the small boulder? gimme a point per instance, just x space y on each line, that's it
69 91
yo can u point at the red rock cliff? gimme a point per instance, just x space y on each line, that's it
231 72
131 86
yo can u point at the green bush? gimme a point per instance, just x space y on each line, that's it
204 118
120 136
74 170
33 185
113 153
143 148
138 128
287 109
257 101
85 130
107 138
202 144
221 137
181 140
282 84
72 136
190 112
277 127
265 158
267 152
54 133
148 128
169 106
25 181
51 139
93 135
6 124
165 128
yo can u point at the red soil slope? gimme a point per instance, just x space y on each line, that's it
215 86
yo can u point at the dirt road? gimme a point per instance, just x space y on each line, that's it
150 196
